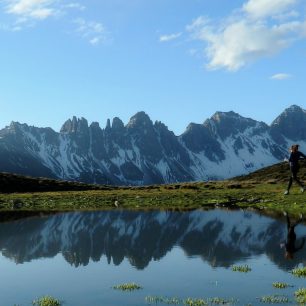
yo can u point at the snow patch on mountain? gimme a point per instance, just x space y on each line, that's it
144 153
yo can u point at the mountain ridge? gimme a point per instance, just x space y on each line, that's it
142 152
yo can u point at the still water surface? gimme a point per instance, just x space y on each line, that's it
79 257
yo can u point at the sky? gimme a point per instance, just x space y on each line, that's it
180 61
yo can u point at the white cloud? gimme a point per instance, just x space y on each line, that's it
281 76
26 13
31 9
166 38
267 8
198 23
239 39
94 41
287 15
93 32
75 5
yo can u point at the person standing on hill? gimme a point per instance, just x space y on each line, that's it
294 158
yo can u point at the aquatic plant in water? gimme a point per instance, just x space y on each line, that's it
127 287
244 268
280 285
194 302
162 300
221 301
274 299
300 296
46 301
189 301
299 272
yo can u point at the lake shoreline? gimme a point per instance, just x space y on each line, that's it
265 197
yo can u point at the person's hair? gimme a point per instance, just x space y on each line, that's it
294 148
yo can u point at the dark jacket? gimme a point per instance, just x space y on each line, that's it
295 157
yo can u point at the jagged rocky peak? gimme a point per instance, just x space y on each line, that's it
95 128
95 125
194 127
292 113
108 125
141 119
225 124
198 138
231 117
15 127
117 124
291 123
195 130
162 128
76 125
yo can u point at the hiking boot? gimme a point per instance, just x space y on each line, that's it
286 192
302 189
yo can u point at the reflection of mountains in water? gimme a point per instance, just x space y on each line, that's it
219 237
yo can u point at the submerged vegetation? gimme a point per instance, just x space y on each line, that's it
46 301
300 296
244 268
280 285
163 300
274 299
127 287
188 301
299 272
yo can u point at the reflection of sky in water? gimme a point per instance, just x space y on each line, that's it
174 274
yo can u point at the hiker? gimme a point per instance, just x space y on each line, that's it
294 158
289 245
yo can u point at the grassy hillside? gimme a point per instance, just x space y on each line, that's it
10 183
278 173
261 190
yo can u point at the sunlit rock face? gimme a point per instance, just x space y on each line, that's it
143 152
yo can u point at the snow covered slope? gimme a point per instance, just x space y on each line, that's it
143 152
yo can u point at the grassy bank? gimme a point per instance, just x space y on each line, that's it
267 196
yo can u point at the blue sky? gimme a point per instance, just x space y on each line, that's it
179 61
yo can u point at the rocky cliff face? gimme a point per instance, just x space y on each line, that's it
143 152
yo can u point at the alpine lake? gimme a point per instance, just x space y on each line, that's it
125 257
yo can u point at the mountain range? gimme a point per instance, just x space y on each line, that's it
143 152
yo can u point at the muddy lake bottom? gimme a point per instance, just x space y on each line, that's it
79 257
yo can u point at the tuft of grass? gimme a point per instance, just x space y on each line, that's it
127 287
46 301
188 301
280 285
162 300
300 296
299 272
194 302
243 269
221 301
274 299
